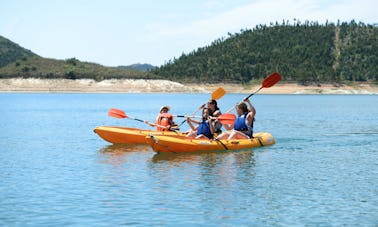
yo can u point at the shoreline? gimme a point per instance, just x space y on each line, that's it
35 85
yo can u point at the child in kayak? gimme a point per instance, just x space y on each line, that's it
213 105
243 125
205 128
164 120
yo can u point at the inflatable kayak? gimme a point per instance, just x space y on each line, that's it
182 144
125 135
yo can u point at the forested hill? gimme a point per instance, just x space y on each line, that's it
304 53
10 52
16 61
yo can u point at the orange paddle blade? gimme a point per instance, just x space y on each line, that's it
271 80
227 118
217 94
117 113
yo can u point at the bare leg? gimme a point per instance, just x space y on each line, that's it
223 136
237 135
191 134
201 137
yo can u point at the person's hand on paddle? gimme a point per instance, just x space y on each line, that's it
149 123
210 118
246 100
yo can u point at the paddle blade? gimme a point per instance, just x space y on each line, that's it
271 80
227 118
217 94
117 113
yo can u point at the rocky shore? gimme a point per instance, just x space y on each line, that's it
165 86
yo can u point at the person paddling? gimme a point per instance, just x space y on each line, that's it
213 105
164 120
205 128
243 126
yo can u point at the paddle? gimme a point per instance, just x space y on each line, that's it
121 114
217 94
226 118
117 113
191 116
268 82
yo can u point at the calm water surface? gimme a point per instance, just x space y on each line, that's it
55 171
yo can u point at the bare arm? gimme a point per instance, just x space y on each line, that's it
212 130
252 111
189 120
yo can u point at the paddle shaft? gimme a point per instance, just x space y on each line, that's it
136 119
147 122
121 114
253 93
229 110
217 94
271 80
191 116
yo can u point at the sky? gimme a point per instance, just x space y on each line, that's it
125 32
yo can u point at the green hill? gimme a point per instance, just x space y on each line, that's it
16 61
11 52
304 53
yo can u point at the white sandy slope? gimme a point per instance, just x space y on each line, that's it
165 86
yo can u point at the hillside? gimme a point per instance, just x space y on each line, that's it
305 53
139 67
16 61
11 52
308 53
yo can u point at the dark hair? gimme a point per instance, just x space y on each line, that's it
208 110
243 107
213 101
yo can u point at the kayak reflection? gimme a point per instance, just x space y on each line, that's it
121 149
244 155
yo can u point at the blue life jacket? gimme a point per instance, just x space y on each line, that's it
204 129
240 125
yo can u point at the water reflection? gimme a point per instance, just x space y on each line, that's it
212 165
207 178
121 149
210 157
116 154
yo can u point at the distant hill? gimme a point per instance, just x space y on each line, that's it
304 53
11 52
16 61
139 67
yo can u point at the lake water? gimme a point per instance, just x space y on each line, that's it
54 171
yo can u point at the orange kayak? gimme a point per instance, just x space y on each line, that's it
125 135
161 143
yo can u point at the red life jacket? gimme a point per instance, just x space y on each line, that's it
164 119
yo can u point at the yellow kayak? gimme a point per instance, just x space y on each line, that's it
181 144
126 135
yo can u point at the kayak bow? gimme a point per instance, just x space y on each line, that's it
126 135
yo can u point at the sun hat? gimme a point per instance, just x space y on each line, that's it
164 107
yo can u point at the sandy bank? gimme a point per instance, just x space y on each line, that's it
159 86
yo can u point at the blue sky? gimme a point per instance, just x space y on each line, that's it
123 32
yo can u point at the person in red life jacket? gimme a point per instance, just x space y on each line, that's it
205 127
164 120
243 125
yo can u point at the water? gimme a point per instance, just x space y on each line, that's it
55 171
